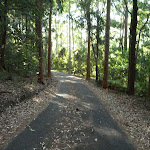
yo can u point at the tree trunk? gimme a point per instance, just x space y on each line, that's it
39 42
96 60
121 37
149 87
4 34
49 41
126 30
105 76
69 69
132 49
81 40
73 43
88 54
97 44
26 24
72 37
56 36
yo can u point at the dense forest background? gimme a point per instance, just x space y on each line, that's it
108 41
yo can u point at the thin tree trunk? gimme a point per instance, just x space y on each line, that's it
4 34
61 39
81 40
88 54
39 43
72 37
69 70
26 24
26 27
49 41
97 44
105 76
56 36
126 30
96 59
149 87
132 49
73 43
121 36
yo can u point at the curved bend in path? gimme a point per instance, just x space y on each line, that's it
74 120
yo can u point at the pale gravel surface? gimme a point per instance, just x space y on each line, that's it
134 120
16 118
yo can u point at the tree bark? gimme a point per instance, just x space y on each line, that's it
149 86
3 34
49 40
126 30
72 36
69 69
97 44
96 60
39 42
88 54
105 76
132 49
56 36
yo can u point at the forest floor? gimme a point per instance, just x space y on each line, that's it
21 100
131 113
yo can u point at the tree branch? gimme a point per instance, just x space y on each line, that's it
127 7
141 32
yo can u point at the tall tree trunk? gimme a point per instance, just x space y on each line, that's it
126 29
61 39
95 56
88 54
4 34
49 40
121 36
149 86
56 36
26 28
73 42
81 40
72 37
132 49
105 76
39 42
97 44
69 61
26 24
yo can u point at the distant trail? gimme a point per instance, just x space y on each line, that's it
74 120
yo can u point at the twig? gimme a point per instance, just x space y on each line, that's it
5 92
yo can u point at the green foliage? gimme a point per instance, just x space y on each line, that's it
21 55
60 61
80 61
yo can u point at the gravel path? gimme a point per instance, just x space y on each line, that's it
74 119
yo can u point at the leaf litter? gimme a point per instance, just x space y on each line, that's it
16 117
69 130
132 114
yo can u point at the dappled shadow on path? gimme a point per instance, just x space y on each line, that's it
75 119
85 123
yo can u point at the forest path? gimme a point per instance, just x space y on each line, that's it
74 120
